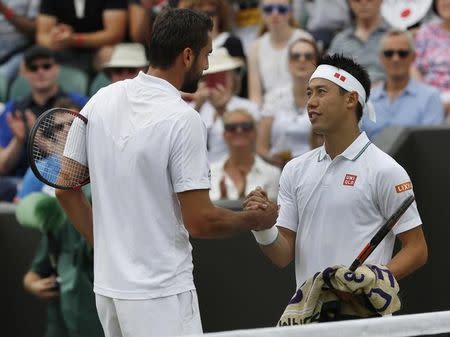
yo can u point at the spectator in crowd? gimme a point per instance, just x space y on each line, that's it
61 272
324 19
220 13
29 182
433 52
242 170
284 129
401 100
265 71
247 21
361 41
216 95
17 31
126 61
82 31
140 19
41 70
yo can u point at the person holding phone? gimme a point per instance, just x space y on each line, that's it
216 94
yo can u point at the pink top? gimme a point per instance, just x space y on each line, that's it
433 55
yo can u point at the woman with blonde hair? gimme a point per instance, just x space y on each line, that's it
266 71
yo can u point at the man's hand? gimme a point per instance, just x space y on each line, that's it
45 288
256 199
17 125
267 211
266 218
62 36
219 97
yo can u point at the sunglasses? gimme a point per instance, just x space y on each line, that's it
279 8
233 127
388 53
35 67
298 56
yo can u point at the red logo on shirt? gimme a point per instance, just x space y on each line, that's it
339 76
403 187
349 180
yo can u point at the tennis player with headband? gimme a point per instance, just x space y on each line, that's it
334 198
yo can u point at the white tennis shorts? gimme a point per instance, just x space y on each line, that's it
175 315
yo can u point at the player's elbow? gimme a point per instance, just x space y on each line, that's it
422 255
281 262
198 228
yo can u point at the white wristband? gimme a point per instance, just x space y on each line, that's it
267 236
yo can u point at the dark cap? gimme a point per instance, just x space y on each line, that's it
37 52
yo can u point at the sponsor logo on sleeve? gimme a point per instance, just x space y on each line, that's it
403 187
349 180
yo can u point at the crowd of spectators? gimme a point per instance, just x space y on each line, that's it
264 53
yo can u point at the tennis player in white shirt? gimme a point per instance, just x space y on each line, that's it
334 199
146 152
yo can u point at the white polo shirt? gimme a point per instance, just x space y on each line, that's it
261 174
144 145
336 206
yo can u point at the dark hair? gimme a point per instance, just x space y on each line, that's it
341 62
173 31
312 43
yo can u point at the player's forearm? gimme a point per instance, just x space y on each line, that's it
279 252
407 260
218 222
78 210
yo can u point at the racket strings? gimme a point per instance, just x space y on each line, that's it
48 150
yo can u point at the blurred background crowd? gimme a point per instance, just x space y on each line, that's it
252 98
263 55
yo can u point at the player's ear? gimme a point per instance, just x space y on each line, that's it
188 57
351 100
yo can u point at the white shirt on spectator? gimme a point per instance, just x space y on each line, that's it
217 148
291 128
273 62
144 145
262 174
336 206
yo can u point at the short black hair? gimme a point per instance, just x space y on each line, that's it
37 52
173 31
356 70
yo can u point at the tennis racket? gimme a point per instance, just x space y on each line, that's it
382 232
57 149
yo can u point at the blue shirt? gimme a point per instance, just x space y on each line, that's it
418 104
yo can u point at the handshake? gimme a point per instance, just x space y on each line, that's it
265 212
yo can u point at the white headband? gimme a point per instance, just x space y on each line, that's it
346 81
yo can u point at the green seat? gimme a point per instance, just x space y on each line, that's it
3 89
73 80
99 81
19 88
70 79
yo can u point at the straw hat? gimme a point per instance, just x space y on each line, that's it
127 55
220 60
